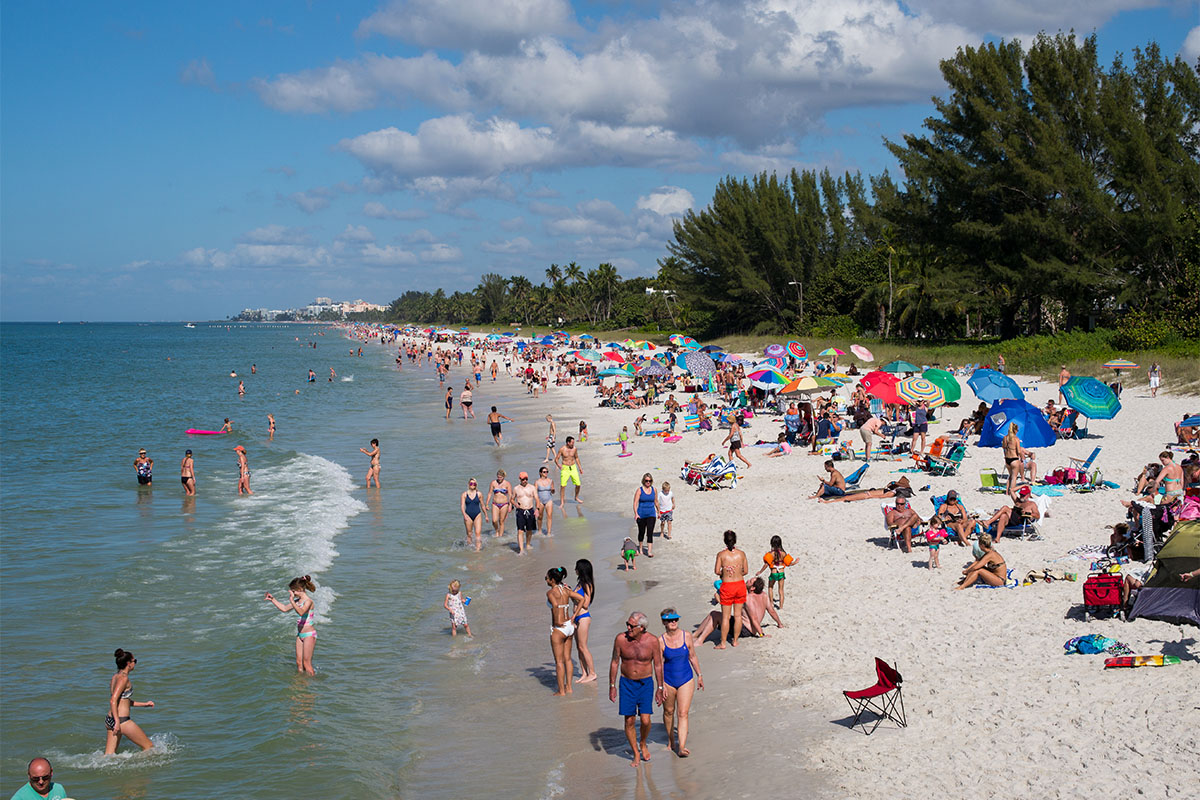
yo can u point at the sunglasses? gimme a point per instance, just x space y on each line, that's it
40 778
648 480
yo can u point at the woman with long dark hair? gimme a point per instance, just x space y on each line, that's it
119 721
585 586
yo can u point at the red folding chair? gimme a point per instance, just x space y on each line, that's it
883 699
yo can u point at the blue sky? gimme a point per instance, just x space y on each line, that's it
184 161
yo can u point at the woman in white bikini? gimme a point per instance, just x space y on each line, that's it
559 598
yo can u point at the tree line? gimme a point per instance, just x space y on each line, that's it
1046 193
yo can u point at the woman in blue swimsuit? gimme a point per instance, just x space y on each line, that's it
471 504
586 587
306 631
681 676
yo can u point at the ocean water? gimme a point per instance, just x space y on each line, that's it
92 562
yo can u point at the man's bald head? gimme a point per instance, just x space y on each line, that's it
40 766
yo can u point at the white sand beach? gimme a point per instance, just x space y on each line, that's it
993 704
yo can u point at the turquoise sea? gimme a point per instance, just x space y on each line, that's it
92 562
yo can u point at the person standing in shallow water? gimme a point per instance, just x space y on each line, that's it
243 471
119 720
143 465
306 631
187 474
373 470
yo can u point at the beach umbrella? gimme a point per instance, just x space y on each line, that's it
831 351
1091 398
774 362
861 352
797 350
699 364
1191 422
588 355
615 372
807 385
946 382
689 343
882 385
768 375
676 338
990 386
586 336
611 355
840 377
1032 428
774 350
898 366
712 348
654 368
915 389
1120 363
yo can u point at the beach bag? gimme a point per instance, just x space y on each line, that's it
1072 475
1190 508
1102 590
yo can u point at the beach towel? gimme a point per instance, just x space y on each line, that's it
1046 491
1094 643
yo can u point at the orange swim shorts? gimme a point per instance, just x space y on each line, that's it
733 592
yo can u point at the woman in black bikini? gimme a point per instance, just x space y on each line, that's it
120 704
989 569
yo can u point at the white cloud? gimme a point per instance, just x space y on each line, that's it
441 253
378 210
311 201
471 24
420 236
507 246
1191 46
198 72
314 91
275 234
1011 17
667 200
356 234
388 256
258 255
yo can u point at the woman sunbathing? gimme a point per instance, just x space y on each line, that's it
900 488
989 568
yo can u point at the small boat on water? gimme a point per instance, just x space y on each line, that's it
190 325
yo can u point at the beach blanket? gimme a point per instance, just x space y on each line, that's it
1045 491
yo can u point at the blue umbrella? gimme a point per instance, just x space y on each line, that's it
615 372
712 348
990 386
1091 398
1032 428
1191 422
586 336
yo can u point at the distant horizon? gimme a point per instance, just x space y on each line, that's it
236 155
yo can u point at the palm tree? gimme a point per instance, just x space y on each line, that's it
492 292
519 288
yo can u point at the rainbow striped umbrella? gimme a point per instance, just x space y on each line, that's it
1120 363
915 389
774 350
808 384
676 338
797 350
774 362
768 378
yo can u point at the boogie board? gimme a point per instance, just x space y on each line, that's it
1140 661
624 455
198 432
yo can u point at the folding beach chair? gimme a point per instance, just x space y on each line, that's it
991 481
1085 464
876 407
884 699
691 422
948 465
1066 428
918 531
854 478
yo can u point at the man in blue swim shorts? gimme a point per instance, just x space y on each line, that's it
638 656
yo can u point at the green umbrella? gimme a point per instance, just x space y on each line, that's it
1091 398
899 366
946 382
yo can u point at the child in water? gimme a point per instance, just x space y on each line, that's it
629 553
582 431
457 607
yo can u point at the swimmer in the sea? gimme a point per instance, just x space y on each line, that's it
373 470
270 426
187 474
227 427
243 471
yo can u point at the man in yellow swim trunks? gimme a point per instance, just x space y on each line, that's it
567 458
